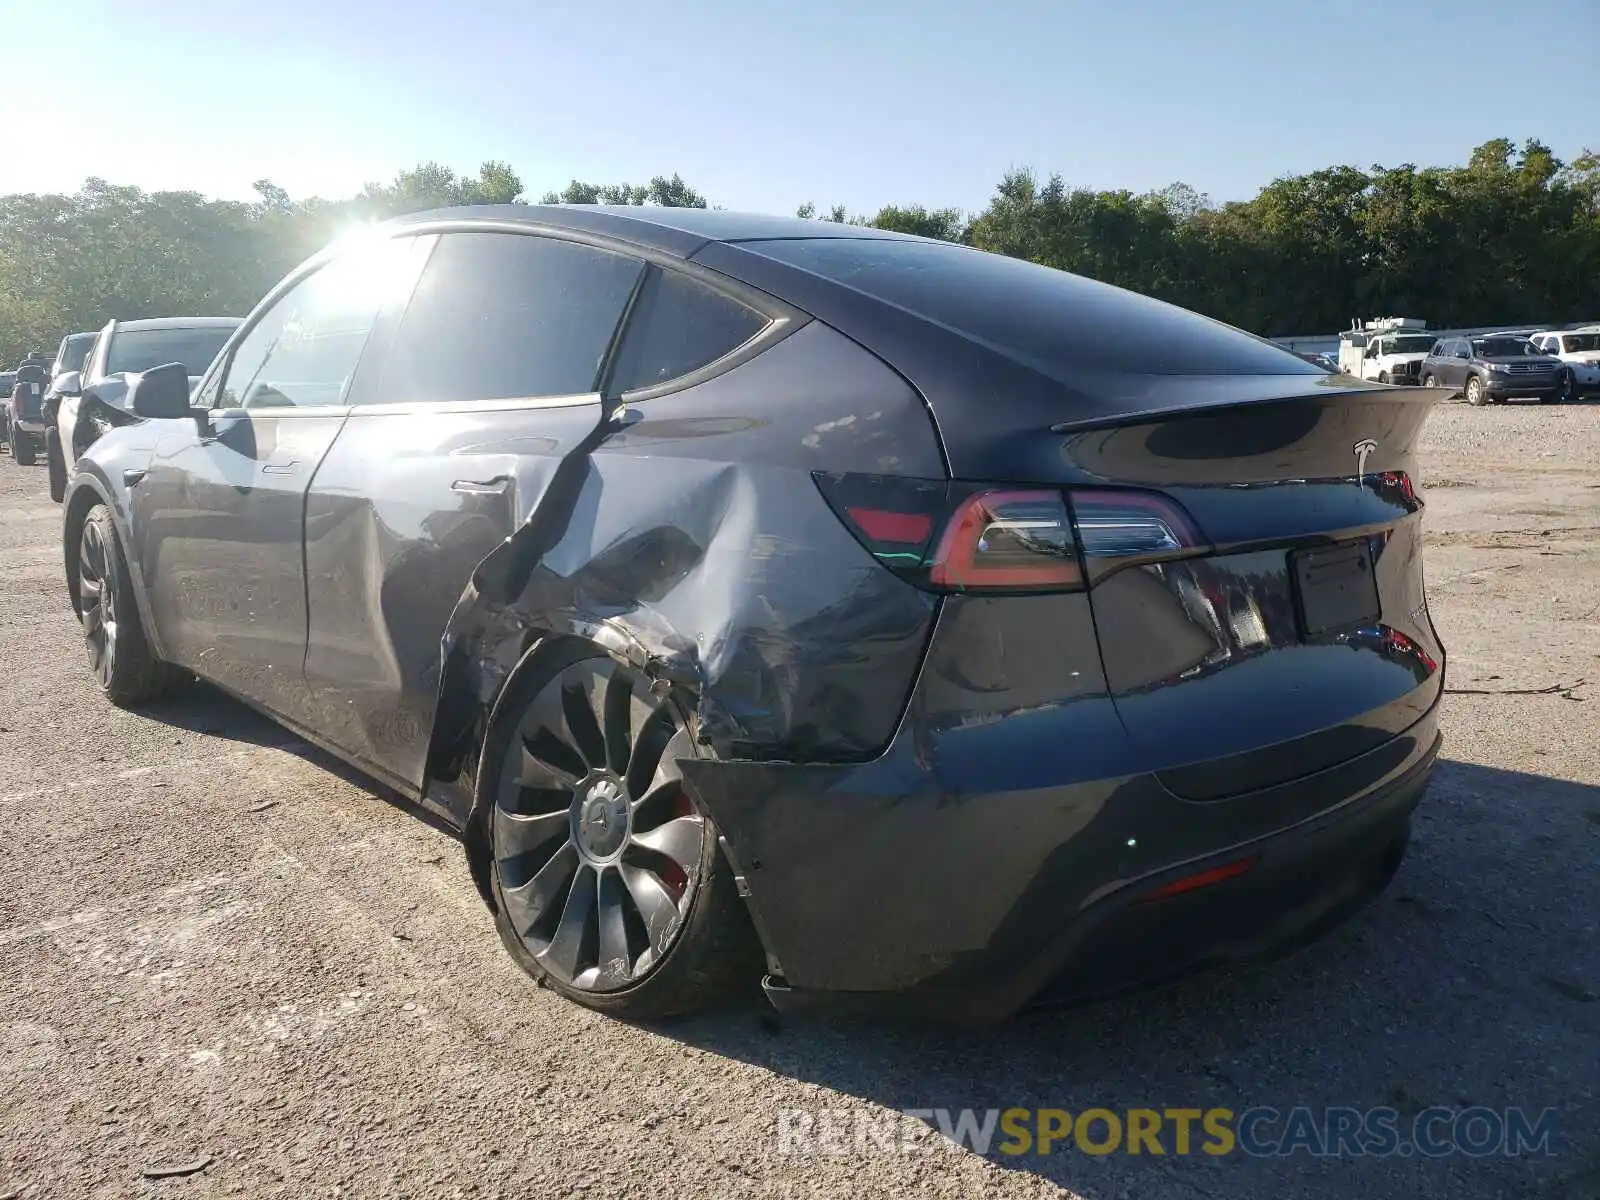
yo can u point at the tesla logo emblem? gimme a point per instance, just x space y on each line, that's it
1363 450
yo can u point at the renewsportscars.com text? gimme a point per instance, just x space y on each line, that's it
1259 1132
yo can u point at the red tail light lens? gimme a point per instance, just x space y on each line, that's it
962 537
1010 540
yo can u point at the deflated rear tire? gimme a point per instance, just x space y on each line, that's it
607 879
119 653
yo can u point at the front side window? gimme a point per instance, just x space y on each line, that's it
505 316
75 349
304 350
679 325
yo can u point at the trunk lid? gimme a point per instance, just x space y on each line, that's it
1301 637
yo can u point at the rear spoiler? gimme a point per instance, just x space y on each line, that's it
1217 395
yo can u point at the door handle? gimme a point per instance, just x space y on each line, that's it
487 487
286 467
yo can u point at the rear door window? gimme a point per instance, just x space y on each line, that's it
679 325
507 315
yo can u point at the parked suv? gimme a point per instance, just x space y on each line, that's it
120 349
25 426
1491 368
1580 351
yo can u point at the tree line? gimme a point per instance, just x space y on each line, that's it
1513 235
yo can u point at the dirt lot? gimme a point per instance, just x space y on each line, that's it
216 946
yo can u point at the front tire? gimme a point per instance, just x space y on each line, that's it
608 884
1475 391
1569 388
119 653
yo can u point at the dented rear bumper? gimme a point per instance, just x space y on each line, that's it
1001 850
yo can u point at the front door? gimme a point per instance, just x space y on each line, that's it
222 506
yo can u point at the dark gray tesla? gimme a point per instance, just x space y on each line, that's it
921 625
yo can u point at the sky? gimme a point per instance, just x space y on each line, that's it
763 107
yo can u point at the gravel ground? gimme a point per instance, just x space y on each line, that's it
217 946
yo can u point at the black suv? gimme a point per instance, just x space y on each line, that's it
1493 367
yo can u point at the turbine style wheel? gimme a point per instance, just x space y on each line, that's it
607 878
128 671
97 602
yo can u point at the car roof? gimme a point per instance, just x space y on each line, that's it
179 323
676 231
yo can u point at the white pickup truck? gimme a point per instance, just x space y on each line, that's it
1385 351
1579 349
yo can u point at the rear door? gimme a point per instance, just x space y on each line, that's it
490 384
220 512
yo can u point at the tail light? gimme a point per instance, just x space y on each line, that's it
962 537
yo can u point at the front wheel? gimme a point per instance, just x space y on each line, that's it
119 653
1383 377
1475 390
1569 388
1429 381
608 883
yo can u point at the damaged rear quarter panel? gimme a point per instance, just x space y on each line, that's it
690 538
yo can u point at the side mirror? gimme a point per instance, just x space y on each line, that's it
68 383
161 393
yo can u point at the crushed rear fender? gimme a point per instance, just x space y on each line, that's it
688 537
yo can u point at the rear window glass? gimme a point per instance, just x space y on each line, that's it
679 325
1057 322
141 349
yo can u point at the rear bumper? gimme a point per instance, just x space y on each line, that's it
994 857
1305 880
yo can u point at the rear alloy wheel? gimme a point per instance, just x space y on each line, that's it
1475 393
118 652
608 883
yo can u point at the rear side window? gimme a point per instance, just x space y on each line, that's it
504 315
679 325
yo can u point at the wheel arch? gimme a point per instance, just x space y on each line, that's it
543 654
85 490
538 649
